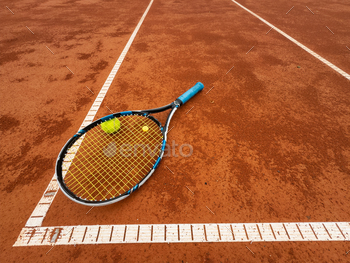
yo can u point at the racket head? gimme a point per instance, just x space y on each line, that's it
97 168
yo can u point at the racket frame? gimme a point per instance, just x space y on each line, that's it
145 113
164 129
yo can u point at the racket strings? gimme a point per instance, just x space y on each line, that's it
89 178
131 156
112 179
101 171
130 181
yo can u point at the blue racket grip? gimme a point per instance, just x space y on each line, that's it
191 92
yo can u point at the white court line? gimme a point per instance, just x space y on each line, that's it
341 72
43 206
184 233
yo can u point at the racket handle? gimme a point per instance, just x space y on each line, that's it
190 93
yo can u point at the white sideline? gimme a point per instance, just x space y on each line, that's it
341 72
184 233
39 213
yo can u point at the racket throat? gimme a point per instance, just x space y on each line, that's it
166 126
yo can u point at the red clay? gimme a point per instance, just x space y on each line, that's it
270 140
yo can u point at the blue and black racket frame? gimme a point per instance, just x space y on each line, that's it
145 113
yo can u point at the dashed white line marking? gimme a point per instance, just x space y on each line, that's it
341 72
168 233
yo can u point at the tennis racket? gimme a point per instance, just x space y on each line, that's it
112 157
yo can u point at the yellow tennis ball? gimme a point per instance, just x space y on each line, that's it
110 126
145 128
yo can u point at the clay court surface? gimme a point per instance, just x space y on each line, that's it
271 140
